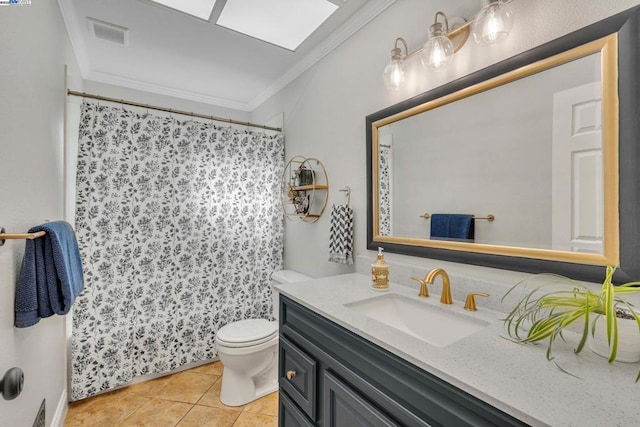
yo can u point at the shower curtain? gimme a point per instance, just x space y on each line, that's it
180 226
385 185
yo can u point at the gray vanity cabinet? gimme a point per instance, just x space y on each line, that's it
330 376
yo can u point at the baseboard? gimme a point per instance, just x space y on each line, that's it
61 411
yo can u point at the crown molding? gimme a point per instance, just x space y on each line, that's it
116 80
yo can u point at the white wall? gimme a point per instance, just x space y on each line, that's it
325 108
34 49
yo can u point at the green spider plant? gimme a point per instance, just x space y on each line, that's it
545 310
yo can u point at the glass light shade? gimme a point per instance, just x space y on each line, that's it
394 74
493 23
437 53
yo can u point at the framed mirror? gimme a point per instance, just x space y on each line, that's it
540 151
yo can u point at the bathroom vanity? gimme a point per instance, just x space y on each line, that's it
335 377
341 366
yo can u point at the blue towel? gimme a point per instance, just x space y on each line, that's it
51 276
452 226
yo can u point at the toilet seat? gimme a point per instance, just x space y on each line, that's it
247 333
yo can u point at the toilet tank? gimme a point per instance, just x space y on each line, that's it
282 277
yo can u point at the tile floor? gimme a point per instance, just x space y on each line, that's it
186 399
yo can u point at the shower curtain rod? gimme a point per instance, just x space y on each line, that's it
169 110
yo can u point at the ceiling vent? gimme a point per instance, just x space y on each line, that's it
109 32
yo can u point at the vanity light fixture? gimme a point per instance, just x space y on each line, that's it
394 71
491 25
437 52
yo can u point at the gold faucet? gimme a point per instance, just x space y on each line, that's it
445 298
424 293
470 303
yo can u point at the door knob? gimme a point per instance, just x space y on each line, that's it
291 375
11 384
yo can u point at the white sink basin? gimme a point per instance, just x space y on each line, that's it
438 326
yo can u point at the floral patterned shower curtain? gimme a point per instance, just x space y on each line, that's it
385 185
180 227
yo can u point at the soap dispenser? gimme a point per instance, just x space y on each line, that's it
380 273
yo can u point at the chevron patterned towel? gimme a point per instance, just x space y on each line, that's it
341 235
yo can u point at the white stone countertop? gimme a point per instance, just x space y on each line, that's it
514 378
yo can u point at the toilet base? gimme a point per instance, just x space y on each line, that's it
238 389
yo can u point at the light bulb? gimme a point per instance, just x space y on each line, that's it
437 53
493 23
394 74
394 71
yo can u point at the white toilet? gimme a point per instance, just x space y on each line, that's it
248 350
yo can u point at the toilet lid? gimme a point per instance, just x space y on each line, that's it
247 332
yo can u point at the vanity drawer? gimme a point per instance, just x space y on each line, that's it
298 374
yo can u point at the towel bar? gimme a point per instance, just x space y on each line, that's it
30 236
489 217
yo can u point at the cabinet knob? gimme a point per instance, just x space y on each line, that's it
291 375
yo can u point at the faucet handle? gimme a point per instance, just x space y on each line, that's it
424 293
470 303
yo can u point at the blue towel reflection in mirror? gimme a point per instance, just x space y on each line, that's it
452 227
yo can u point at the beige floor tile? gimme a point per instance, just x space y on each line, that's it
247 419
157 413
166 400
104 410
149 388
212 398
187 387
204 416
267 405
214 368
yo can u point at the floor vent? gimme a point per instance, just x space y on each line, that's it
109 32
41 417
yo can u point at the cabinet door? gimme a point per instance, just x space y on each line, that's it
344 407
289 415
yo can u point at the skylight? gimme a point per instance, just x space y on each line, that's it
198 8
285 23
